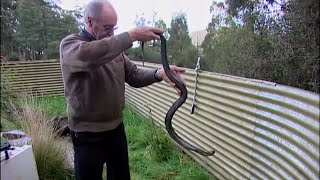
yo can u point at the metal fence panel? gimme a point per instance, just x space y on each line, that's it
34 77
260 130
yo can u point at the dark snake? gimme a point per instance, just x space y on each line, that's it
176 105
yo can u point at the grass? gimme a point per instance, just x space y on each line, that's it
152 154
49 149
53 106
22 112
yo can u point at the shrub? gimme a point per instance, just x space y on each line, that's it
13 56
7 104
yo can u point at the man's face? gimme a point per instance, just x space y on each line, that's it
105 25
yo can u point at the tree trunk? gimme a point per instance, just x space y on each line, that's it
22 55
3 50
33 55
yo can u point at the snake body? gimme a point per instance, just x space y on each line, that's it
176 105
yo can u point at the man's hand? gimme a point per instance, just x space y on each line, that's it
145 33
177 71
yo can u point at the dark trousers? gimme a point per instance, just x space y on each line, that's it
93 149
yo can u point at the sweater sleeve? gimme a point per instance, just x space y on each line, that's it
136 77
81 55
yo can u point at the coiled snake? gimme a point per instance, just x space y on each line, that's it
177 103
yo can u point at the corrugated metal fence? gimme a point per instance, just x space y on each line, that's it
36 77
260 130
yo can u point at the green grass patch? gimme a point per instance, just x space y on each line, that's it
152 154
53 106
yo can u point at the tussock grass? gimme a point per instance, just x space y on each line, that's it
50 150
24 112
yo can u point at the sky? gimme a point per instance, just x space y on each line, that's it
197 11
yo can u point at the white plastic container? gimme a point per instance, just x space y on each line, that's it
21 164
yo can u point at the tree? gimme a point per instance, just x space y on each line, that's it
299 43
180 49
151 49
8 26
41 25
162 25
266 40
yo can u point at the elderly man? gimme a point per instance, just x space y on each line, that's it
95 71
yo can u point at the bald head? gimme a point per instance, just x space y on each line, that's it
100 18
95 9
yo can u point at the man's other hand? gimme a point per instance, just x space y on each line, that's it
177 71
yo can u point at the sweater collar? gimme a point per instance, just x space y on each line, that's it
84 33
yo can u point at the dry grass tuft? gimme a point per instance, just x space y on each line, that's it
50 150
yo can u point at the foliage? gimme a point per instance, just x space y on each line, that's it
8 25
151 49
32 29
13 56
300 44
8 103
49 23
268 40
265 40
181 52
